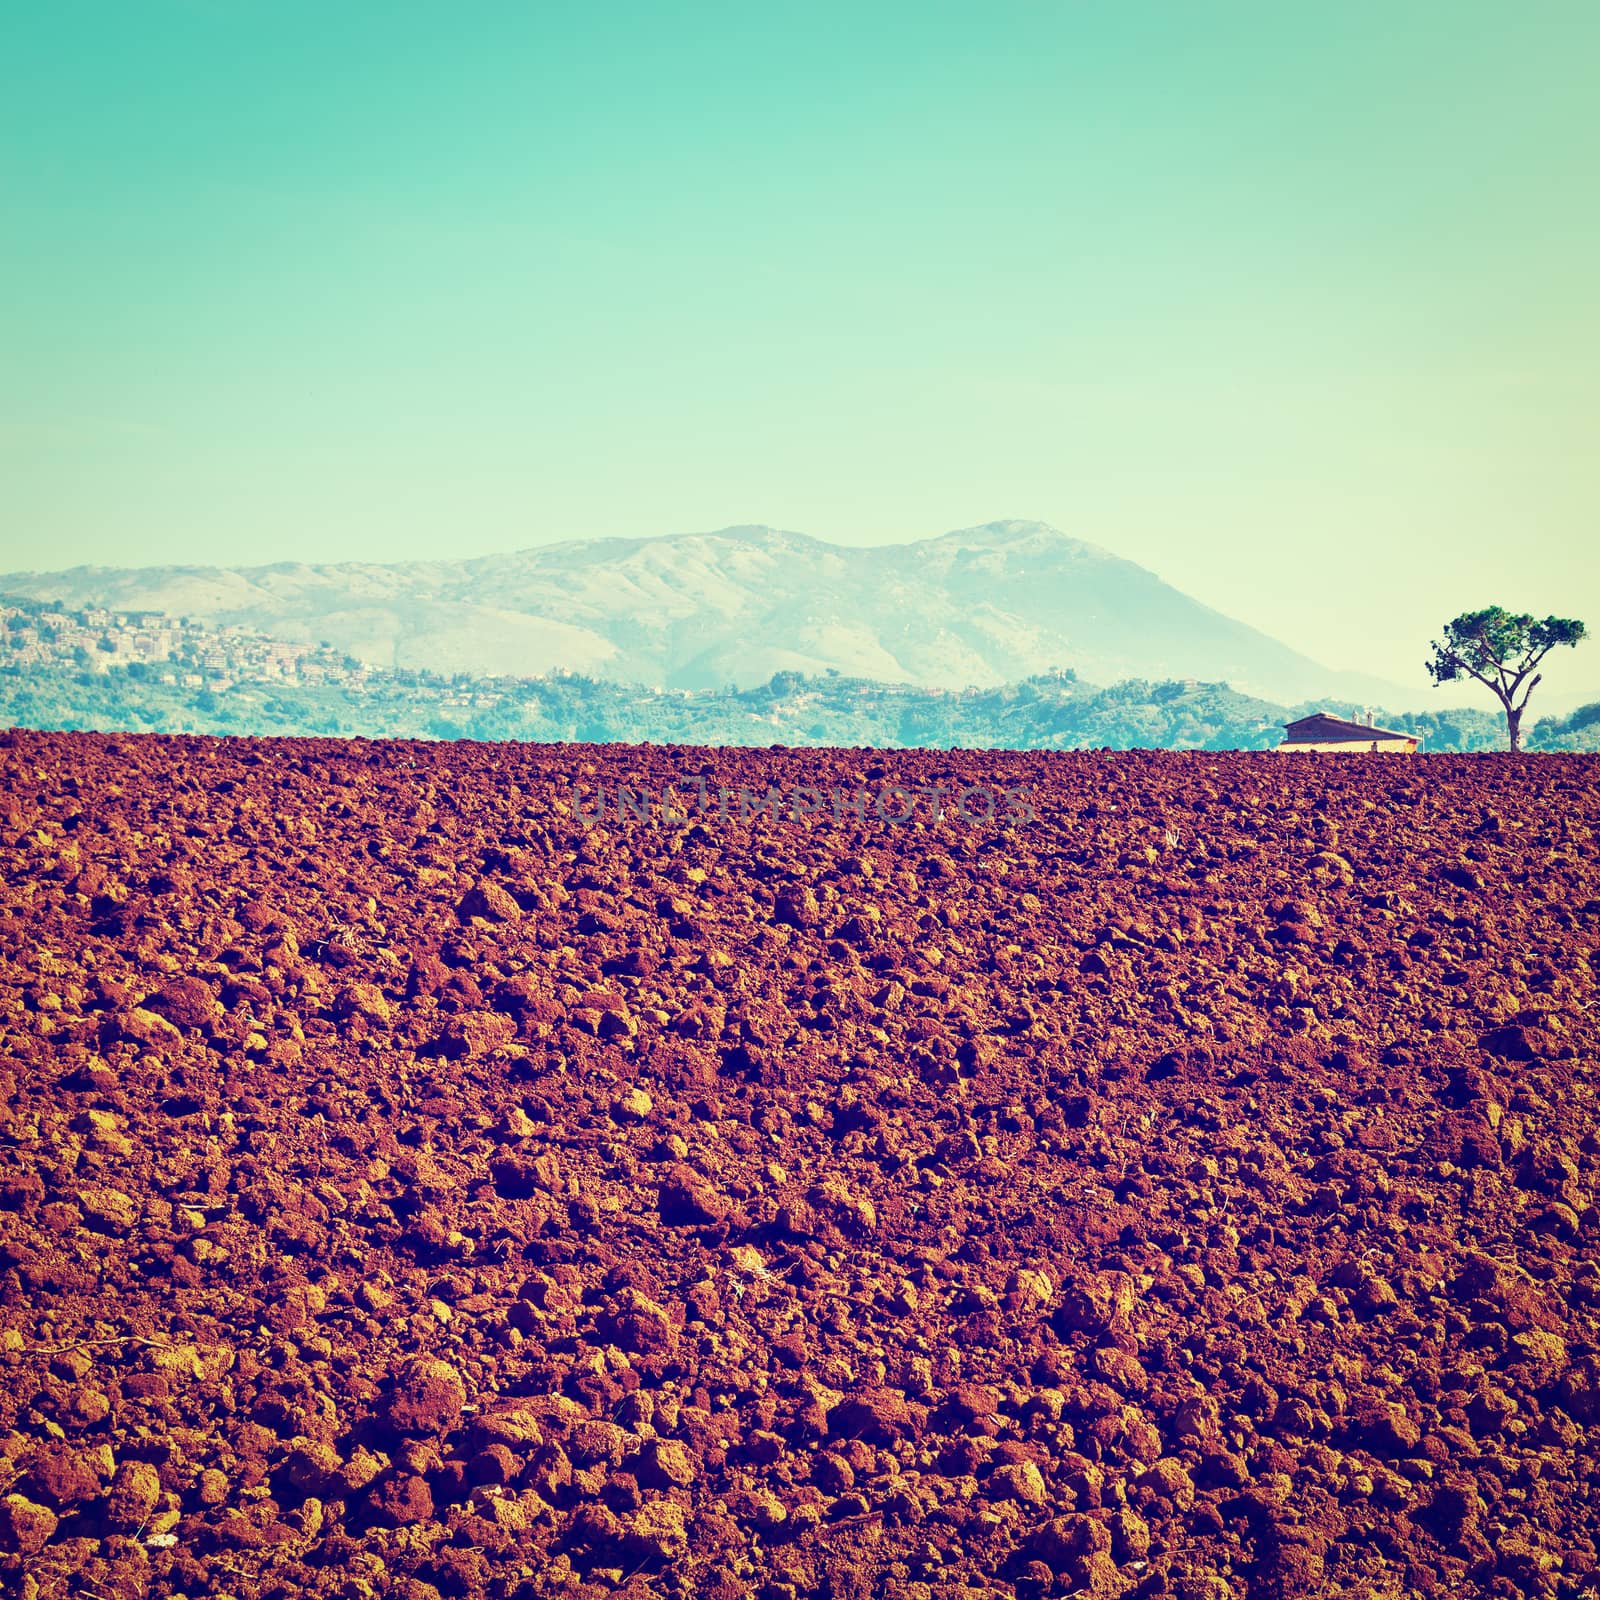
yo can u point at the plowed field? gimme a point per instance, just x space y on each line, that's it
1180 1182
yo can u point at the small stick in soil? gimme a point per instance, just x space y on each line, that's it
87 1344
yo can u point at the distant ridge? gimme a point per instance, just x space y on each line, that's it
976 607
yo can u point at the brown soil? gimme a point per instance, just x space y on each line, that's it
405 1191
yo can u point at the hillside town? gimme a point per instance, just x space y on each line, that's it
180 652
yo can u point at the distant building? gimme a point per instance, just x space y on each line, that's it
1336 735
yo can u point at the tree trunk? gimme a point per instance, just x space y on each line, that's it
1514 730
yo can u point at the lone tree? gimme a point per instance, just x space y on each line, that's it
1501 651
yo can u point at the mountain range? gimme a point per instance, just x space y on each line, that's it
975 608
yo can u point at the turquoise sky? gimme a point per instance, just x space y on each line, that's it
1297 304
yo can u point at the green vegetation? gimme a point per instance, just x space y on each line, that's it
149 671
1053 711
1578 731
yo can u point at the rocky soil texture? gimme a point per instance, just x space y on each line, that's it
408 1190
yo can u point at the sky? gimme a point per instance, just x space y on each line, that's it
1294 304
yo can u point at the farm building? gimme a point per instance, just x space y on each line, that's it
1322 732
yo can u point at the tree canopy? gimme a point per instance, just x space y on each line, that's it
1502 650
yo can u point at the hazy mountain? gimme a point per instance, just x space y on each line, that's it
981 606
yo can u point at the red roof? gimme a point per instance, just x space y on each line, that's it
1322 728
